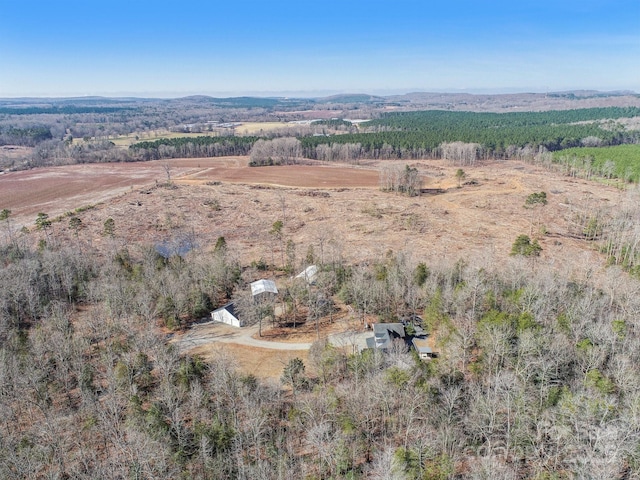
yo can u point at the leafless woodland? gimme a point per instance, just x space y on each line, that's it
536 375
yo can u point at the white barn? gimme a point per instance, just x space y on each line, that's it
226 314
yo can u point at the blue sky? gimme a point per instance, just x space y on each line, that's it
170 48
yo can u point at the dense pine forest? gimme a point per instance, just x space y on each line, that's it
420 134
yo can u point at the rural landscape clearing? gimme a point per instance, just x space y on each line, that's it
149 249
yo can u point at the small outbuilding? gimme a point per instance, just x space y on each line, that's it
263 288
308 275
226 314
422 347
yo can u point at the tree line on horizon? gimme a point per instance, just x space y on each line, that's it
456 136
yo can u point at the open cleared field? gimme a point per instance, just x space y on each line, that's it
340 207
256 128
245 128
261 362
56 190
292 176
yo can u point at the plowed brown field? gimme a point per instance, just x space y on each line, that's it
56 190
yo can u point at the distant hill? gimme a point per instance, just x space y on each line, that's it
351 98
458 101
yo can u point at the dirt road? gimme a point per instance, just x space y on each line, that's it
214 332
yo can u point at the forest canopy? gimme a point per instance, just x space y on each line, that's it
416 134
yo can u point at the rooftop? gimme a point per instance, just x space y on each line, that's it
262 286
421 345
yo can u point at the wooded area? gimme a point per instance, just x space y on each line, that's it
536 375
51 129
421 134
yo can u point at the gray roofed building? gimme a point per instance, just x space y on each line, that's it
384 334
422 347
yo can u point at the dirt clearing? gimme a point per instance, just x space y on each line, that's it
56 190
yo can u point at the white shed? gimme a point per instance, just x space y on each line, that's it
309 274
226 314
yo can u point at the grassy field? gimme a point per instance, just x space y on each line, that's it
620 161
254 128
248 128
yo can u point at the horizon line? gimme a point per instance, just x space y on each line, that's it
310 94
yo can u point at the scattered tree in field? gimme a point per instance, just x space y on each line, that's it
166 166
109 227
276 228
43 223
539 198
533 200
524 246
221 245
460 176
4 217
420 274
396 179
75 224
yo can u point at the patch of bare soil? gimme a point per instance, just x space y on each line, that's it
307 331
261 362
289 176
57 190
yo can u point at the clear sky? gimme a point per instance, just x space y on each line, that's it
244 47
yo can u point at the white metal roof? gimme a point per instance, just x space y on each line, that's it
309 274
262 286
